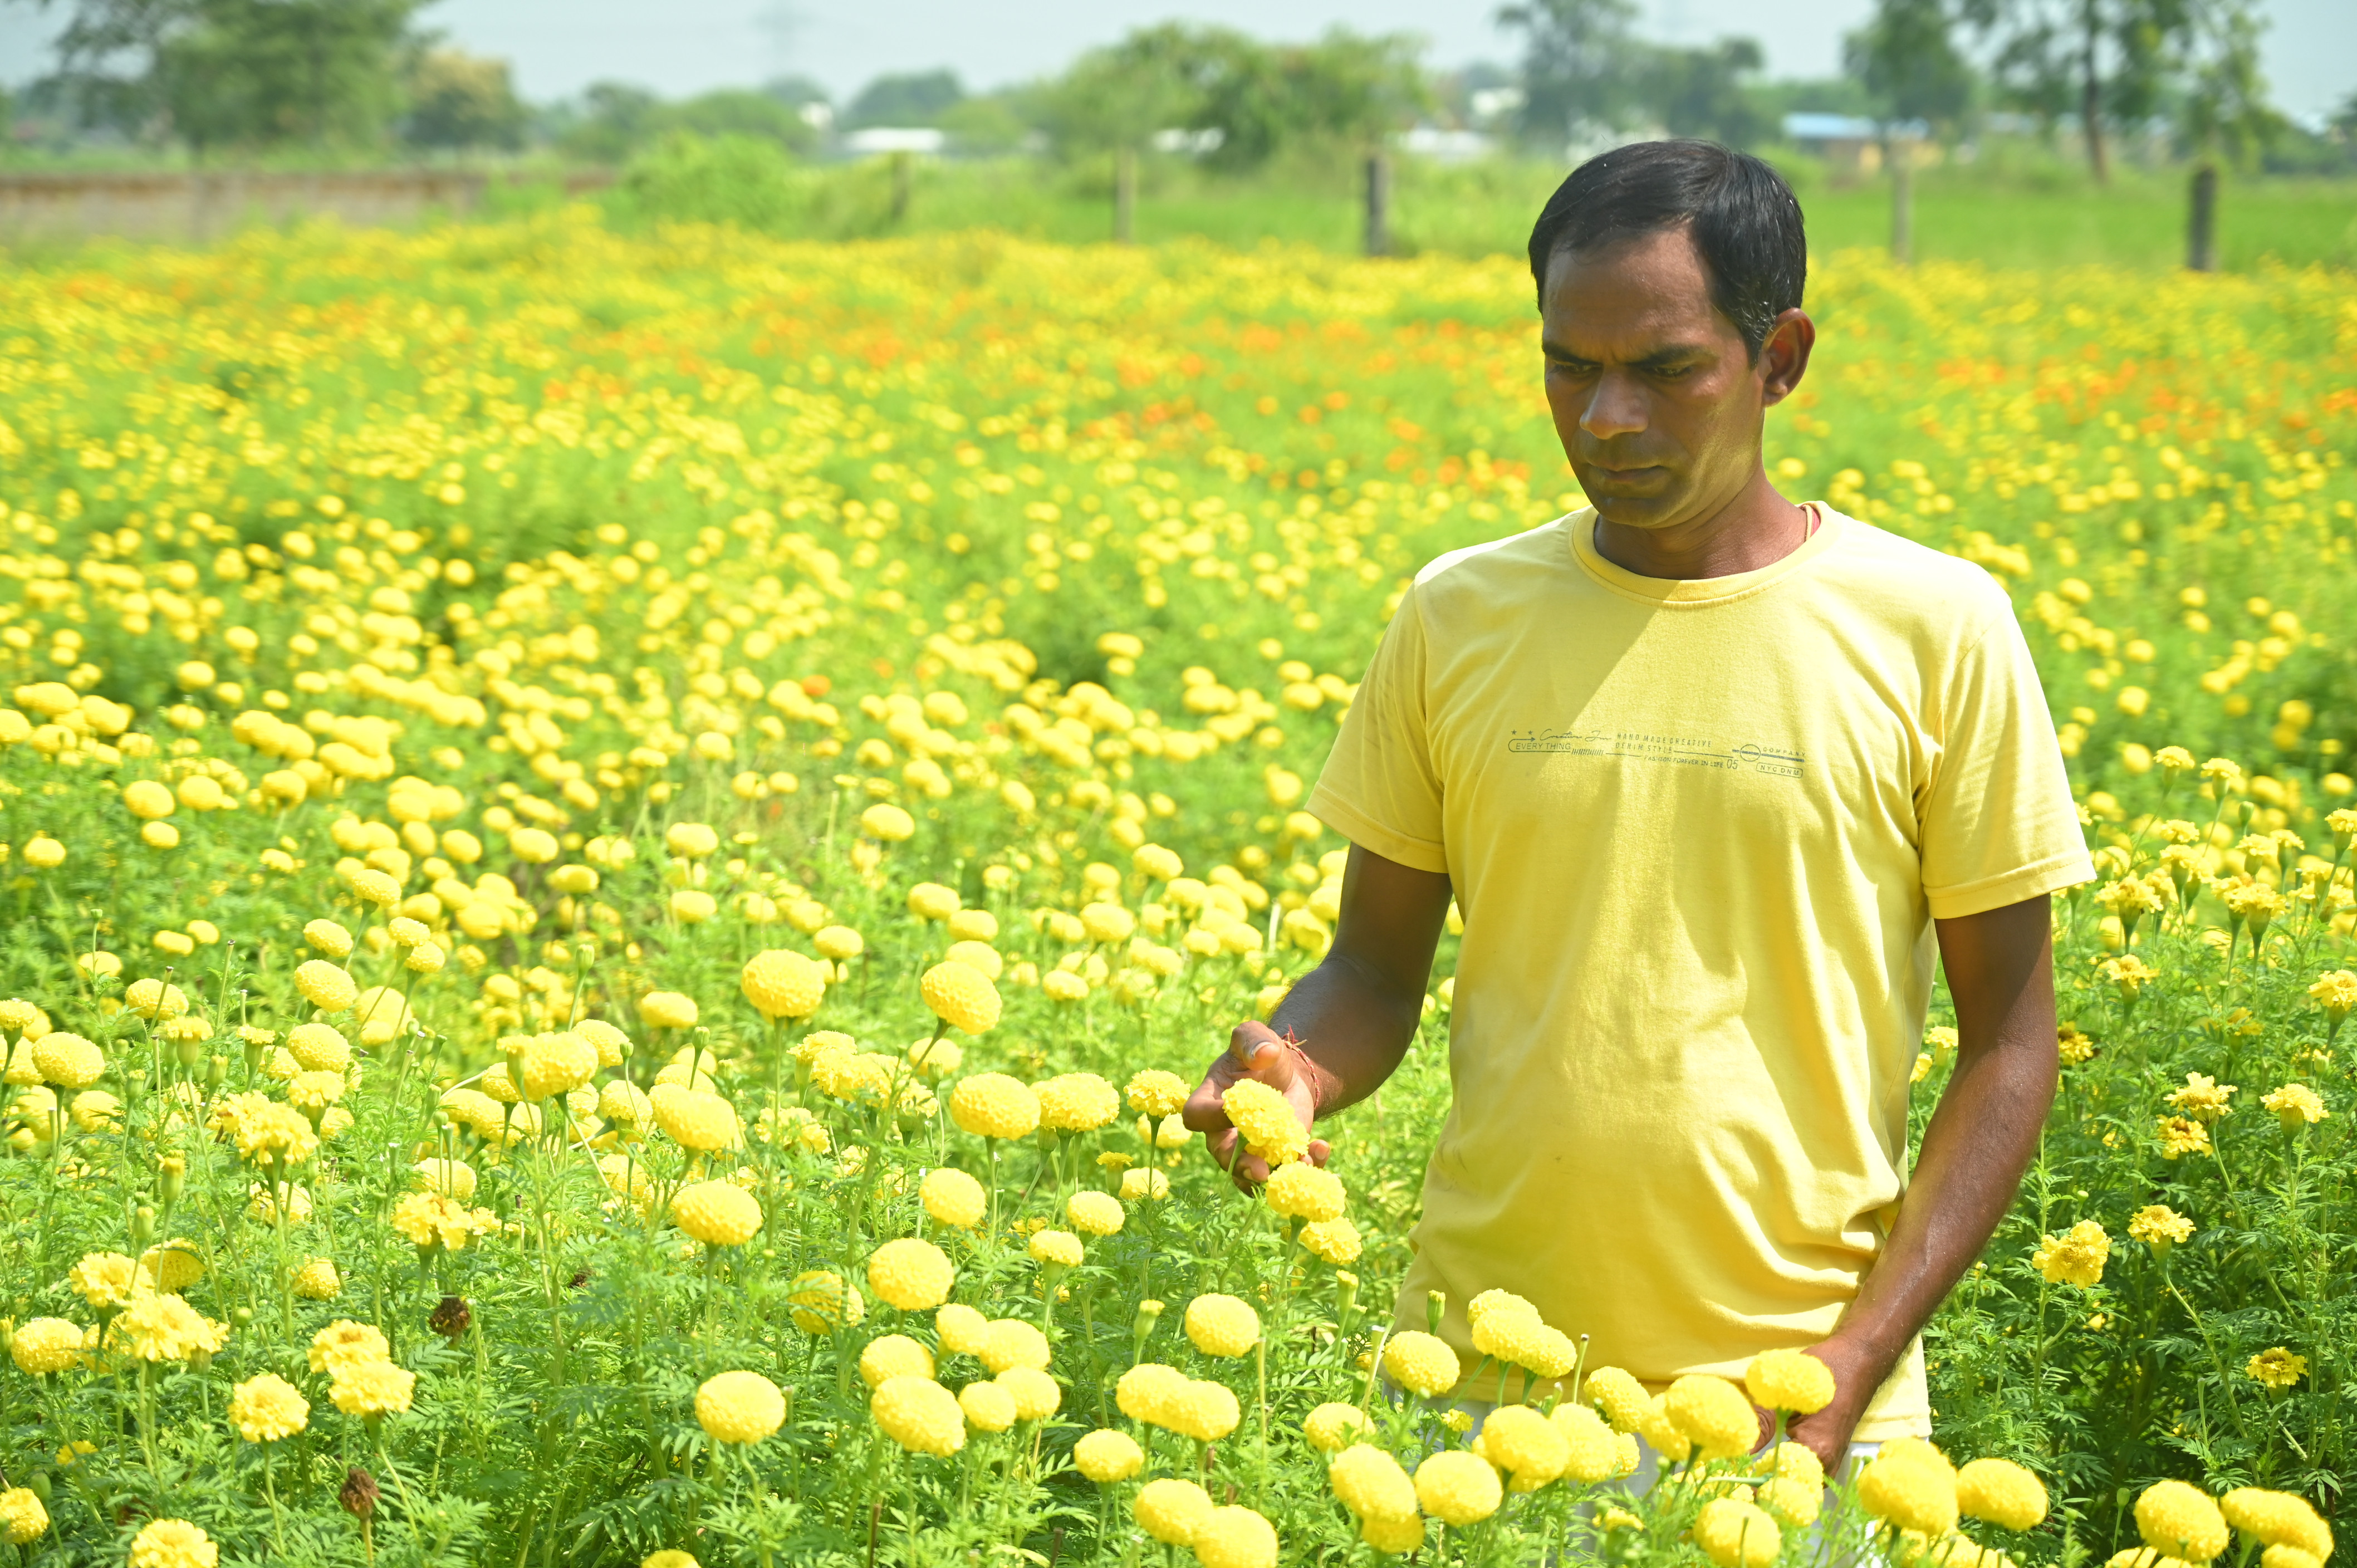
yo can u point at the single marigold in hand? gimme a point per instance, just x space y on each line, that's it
1265 1120
920 1415
911 1274
739 1407
1791 1380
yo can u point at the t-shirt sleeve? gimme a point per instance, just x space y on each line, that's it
1380 790
1998 823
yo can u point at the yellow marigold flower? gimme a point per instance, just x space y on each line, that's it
961 996
319 1048
173 1543
315 1090
911 1274
2203 1098
1145 1392
694 1118
670 1558
154 999
173 1266
1107 1457
931 901
1457 1487
1206 1411
2335 992
894 1356
1335 1242
1234 1537
326 986
1393 1537
1714 1414
2076 1257
69 1060
1912 1484
1369 1482
962 1329
717 1213
2001 1492
266 1408
2277 1367
1793 1501
2295 1105
840 943
1077 1102
889 823
1011 1342
1303 1191
2181 1521
2160 1227
2278 1519
1156 1093
344 1344
2182 1135
1059 1247
782 983
1493 1300
161 1327
1035 1394
22 1515
1520 1339
556 1064
46 1345
451 1178
104 1280
327 937
318 1281
667 1010
821 1303
994 1105
1266 1121
1222 1325
920 1415
373 1388
987 1407
1590 1452
1791 1380
1095 1213
430 1219
1331 1427
1419 1362
739 1407
952 1197
1171 1511
1737 1534
1529 1448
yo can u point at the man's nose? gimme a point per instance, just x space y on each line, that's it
1617 407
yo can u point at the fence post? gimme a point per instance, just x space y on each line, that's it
2201 226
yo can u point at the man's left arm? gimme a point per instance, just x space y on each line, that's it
1981 1137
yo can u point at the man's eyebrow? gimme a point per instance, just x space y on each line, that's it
1663 355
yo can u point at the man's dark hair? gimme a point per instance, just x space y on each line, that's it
1743 217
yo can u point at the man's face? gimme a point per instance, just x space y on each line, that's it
1657 403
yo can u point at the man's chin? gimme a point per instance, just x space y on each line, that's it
1635 511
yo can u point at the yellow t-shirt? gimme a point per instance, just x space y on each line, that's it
1699 833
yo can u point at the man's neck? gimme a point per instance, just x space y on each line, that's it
1756 528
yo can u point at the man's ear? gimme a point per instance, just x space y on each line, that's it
1784 357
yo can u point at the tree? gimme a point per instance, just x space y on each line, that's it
736 112
458 100
1574 59
1705 91
2118 62
1906 59
213 73
915 99
612 121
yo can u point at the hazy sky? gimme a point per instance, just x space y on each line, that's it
678 47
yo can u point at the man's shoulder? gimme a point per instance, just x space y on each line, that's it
1916 582
1481 568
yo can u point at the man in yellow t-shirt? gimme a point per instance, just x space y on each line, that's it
1713 777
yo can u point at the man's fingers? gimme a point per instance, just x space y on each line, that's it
1319 1149
1203 1112
1223 1146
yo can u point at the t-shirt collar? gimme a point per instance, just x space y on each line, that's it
1581 528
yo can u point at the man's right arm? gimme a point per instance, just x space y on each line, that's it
1350 1020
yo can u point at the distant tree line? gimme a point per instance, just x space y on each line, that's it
221 76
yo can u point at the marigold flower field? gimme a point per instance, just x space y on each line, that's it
618 854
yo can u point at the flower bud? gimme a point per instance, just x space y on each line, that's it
1436 1307
357 1496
